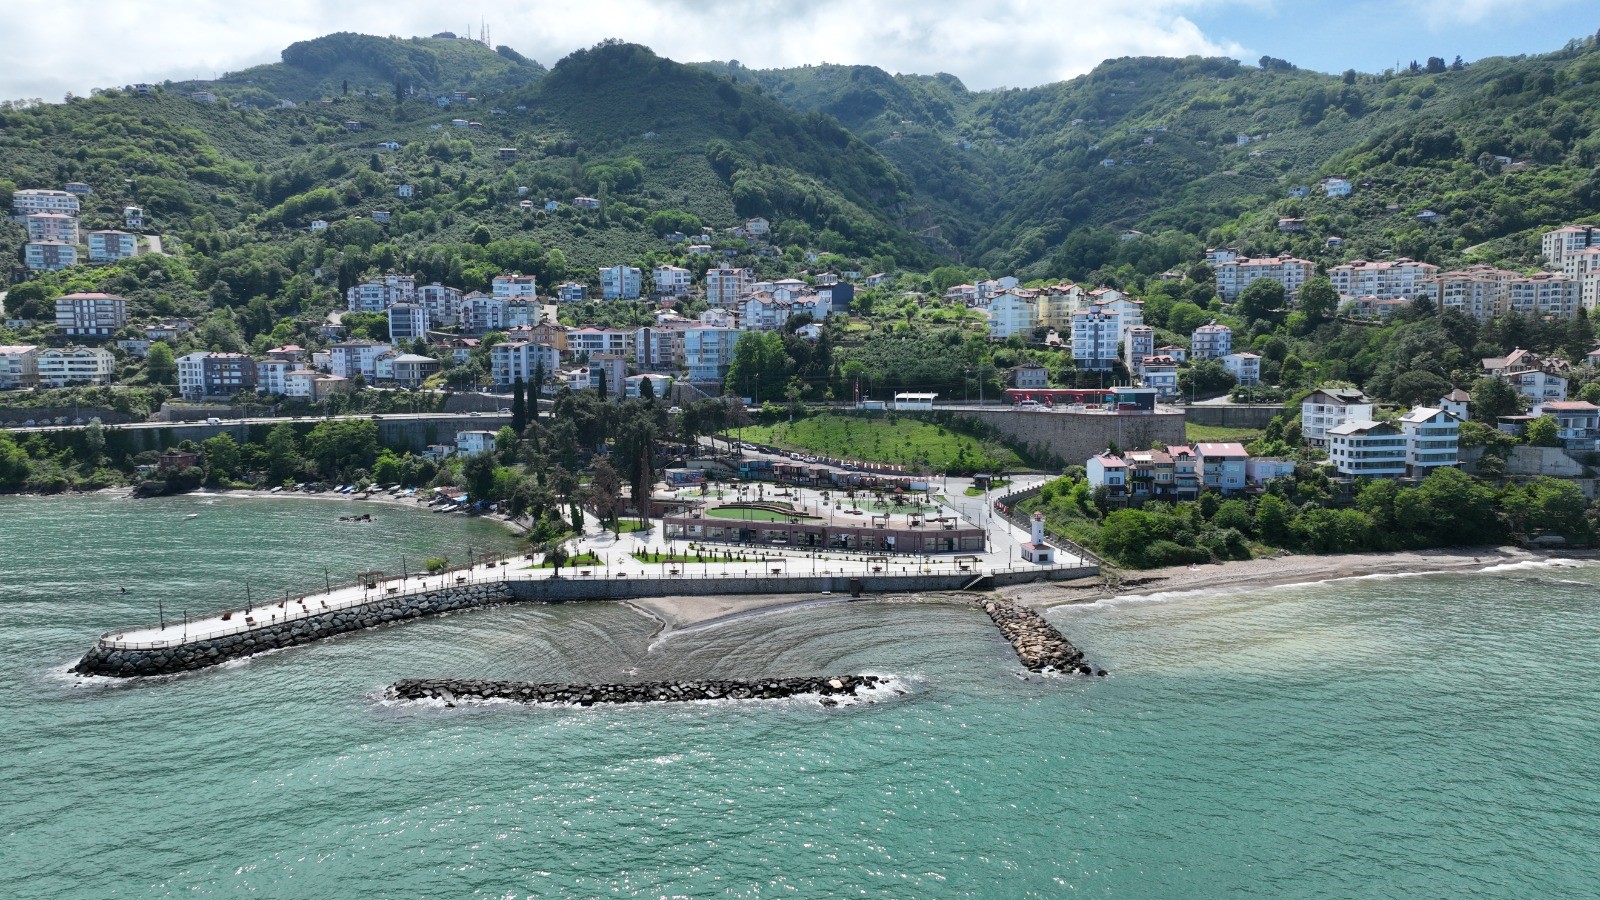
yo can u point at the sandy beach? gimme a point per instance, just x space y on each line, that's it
1270 572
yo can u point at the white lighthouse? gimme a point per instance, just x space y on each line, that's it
1036 550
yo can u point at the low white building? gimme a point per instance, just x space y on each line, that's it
472 443
1245 367
66 366
914 401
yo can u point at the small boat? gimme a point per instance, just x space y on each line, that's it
192 516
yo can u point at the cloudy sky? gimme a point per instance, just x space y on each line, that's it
55 46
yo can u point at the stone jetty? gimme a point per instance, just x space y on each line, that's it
826 686
1038 644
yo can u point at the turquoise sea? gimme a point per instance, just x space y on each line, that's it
1433 736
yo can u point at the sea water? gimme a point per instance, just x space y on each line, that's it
1422 736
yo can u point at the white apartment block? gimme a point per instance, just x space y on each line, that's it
1012 312
597 340
1138 342
1235 275
33 200
50 256
1433 439
19 366
708 352
1568 239
272 375
672 281
1544 294
1095 333
91 315
1364 448
1400 278
1328 408
620 283
1477 291
481 314
443 303
514 287
111 246
66 366
407 322
511 360
1245 367
1057 304
726 284
765 312
1211 341
52 227
379 294
352 358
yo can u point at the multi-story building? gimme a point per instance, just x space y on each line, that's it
52 227
67 366
836 298
412 369
1477 291
514 287
597 340
407 322
659 347
1245 367
91 315
1057 304
1161 374
571 292
1221 466
272 375
1109 471
1095 334
1012 312
481 314
111 246
1538 379
19 366
620 283
203 375
379 294
1577 422
1400 278
1568 239
1138 343
612 368
1210 341
132 217
1216 256
660 385
1030 376
672 281
443 303
1235 275
726 284
511 360
357 357
473 443
1364 448
1544 294
49 256
1327 408
708 352
1433 439
34 200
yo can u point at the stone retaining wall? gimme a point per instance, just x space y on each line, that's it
826 686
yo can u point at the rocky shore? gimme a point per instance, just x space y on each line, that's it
451 692
1038 644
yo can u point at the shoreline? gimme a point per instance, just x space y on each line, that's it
1276 571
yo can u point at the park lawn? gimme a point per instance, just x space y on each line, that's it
629 525
902 441
582 559
1218 434
649 557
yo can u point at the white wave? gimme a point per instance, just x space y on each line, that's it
1552 563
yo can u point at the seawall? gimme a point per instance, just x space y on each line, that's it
1070 438
121 659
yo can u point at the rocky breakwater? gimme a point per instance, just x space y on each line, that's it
112 658
1038 644
827 687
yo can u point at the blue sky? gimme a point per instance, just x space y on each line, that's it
988 43
1370 35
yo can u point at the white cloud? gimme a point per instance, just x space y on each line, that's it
1001 42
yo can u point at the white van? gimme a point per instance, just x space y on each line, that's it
213 421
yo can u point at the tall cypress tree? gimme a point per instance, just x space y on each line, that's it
519 405
600 383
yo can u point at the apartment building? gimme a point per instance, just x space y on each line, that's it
620 283
443 304
1210 341
52 227
19 366
211 375
1057 304
481 314
91 314
1478 291
49 256
1327 408
659 347
1559 243
1364 448
379 294
1012 312
1095 334
613 369
1433 440
1400 278
1544 294
597 340
407 322
1222 466
68 366
708 352
33 200
112 246
726 284
511 360
1235 275
1138 342
672 281
1245 367
514 287
571 292
272 375
358 357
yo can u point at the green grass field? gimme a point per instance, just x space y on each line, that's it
906 442
752 515
582 559
652 557
1220 434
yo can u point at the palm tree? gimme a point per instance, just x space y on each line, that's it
555 553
